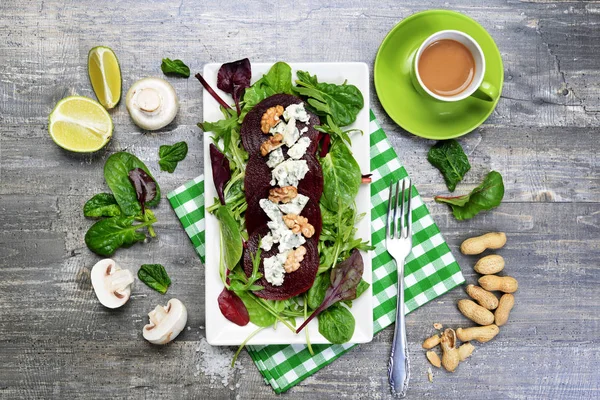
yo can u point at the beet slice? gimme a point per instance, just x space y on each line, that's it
256 217
295 282
258 177
252 136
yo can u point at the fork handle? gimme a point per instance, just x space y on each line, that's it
399 367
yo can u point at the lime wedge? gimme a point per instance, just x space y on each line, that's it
80 124
105 76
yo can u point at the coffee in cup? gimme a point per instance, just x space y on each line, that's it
450 66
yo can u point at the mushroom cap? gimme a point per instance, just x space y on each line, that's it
152 103
165 322
111 284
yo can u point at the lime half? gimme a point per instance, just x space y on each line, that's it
105 76
80 124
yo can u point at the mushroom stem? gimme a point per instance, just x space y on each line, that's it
118 280
157 315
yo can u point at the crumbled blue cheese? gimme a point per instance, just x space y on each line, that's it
276 157
284 236
298 150
266 242
274 270
295 206
271 210
303 130
289 173
290 133
279 128
297 112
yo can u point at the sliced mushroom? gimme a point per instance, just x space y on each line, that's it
111 283
152 103
165 322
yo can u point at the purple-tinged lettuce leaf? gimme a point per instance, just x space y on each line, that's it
220 171
234 78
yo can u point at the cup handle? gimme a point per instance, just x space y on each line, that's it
486 91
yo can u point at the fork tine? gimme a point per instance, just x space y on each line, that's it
401 230
395 218
409 211
387 219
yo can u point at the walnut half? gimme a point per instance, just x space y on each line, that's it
270 118
271 144
294 258
283 194
298 223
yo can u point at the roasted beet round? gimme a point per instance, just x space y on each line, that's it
258 177
294 283
256 217
252 136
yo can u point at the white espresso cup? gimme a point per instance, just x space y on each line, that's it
477 88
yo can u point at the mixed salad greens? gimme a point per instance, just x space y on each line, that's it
339 278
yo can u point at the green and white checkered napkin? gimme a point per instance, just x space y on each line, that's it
431 270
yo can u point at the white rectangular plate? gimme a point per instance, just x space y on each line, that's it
220 331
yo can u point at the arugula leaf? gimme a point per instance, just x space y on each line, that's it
101 205
174 67
171 155
484 197
277 80
116 174
343 102
448 156
337 324
107 235
155 277
341 176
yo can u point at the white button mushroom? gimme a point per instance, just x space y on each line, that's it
111 283
165 322
152 103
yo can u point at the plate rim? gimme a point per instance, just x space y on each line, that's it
367 331
378 86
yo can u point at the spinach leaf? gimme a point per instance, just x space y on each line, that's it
107 235
174 67
484 197
344 279
316 294
258 314
337 324
448 156
155 277
171 155
233 308
231 239
343 102
144 185
101 205
361 288
341 176
234 78
116 174
277 80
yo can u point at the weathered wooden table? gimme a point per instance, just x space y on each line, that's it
57 341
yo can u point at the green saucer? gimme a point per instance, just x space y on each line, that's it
419 114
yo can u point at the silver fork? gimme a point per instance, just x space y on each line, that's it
398 241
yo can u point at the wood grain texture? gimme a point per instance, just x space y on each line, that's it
57 341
